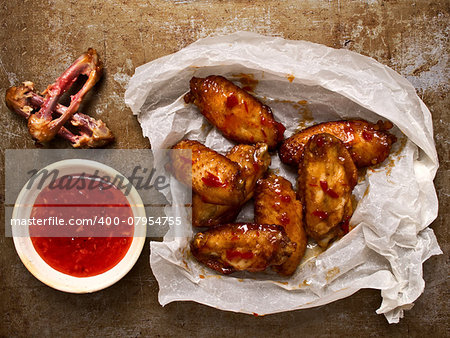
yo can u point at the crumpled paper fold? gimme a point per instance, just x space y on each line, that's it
304 83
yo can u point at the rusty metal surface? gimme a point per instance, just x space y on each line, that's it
41 38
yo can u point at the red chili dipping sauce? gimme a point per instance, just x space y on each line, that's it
101 231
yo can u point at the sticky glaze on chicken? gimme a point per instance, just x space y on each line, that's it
242 246
368 143
237 114
253 162
276 203
327 176
214 177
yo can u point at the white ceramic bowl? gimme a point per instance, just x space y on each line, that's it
58 280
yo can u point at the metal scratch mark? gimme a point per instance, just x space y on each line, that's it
12 77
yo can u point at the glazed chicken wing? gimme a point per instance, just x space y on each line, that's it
367 143
237 114
208 214
253 162
214 177
327 176
242 246
276 203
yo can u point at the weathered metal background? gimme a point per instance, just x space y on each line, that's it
41 38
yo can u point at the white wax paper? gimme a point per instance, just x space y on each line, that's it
304 83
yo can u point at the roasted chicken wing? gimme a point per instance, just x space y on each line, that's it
215 178
367 143
327 176
253 162
242 246
276 203
237 114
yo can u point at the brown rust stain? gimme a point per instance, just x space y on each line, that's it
214 276
332 273
366 192
402 140
390 162
389 166
205 126
247 81
283 283
306 115
312 250
304 284
286 101
425 67
290 77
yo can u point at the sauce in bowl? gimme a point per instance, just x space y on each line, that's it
89 225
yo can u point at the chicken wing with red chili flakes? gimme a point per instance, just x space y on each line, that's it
237 114
242 246
253 162
327 176
367 143
214 177
276 203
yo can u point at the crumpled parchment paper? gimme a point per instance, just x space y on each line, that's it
304 83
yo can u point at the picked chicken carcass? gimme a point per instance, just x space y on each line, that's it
327 176
237 114
90 133
367 143
276 203
242 246
215 178
253 161
43 126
